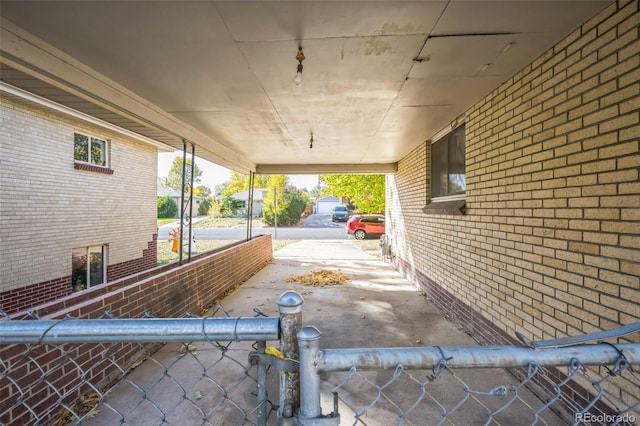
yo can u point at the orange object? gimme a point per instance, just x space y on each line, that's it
175 240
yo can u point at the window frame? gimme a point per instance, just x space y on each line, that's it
106 143
87 265
446 133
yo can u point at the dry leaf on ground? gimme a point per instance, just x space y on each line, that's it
321 278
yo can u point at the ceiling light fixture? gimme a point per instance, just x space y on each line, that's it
299 58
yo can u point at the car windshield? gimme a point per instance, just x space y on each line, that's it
340 208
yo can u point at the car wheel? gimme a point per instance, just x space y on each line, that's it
359 234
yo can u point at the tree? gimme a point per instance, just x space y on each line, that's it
289 200
204 207
202 191
238 183
167 207
367 192
174 178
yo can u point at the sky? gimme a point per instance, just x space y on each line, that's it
213 174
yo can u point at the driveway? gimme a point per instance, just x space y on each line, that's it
322 220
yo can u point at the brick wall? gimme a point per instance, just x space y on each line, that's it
550 243
168 291
48 206
24 298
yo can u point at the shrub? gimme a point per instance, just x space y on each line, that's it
289 210
203 208
167 208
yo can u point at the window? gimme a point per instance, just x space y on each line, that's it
447 165
88 149
372 220
88 267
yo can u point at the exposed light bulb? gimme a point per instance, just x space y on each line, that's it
299 57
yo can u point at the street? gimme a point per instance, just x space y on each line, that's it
316 227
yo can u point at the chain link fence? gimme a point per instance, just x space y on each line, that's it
591 384
219 370
188 371
448 396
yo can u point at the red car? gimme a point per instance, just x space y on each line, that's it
363 225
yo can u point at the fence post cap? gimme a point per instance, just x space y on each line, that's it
308 332
290 302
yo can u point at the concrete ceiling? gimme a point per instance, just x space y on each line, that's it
379 77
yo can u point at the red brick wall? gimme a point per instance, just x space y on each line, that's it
148 260
24 298
168 291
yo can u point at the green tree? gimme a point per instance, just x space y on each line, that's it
204 207
174 178
238 182
367 192
284 201
167 207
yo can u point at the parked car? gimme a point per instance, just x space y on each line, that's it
340 213
364 225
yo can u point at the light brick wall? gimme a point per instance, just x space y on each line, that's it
550 244
47 207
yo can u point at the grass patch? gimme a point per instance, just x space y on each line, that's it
165 255
226 222
166 220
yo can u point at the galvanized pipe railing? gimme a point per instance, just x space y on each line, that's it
315 361
471 357
140 330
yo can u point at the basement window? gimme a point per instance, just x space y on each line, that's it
88 267
90 153
448 176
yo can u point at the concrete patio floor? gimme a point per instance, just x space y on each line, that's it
377 307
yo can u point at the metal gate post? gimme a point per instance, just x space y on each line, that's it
309 342
290 307
310 408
